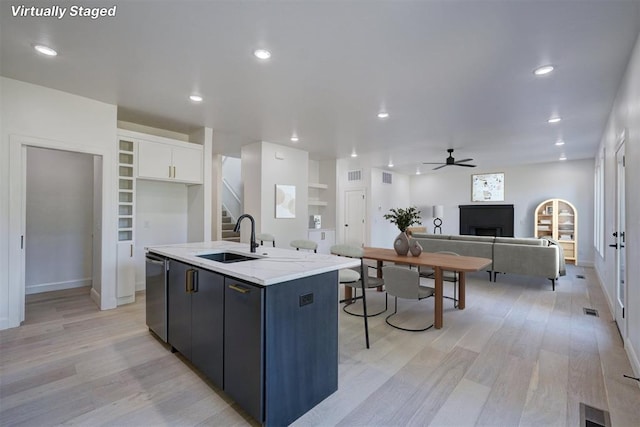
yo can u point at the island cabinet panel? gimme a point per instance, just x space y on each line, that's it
281 346
301 346
243 345
196 314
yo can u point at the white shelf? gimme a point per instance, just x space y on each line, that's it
318 186
317 203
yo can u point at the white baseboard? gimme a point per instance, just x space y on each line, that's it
57 286
4 323
604 291
141 286
633 358
95 297
126 300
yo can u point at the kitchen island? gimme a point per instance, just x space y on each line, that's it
261 326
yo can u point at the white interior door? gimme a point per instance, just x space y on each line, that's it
354 218
619 234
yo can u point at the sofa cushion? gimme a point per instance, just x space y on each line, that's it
431 236
469 238
461 247
522 241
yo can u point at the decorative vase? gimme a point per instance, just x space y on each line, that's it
401 244
415 248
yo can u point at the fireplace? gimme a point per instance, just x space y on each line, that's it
486 220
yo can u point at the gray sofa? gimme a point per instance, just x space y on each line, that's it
526 256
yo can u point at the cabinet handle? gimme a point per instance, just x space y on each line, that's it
130 251
239 288
174 171
190 281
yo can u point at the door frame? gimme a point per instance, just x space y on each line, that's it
620 309
18 144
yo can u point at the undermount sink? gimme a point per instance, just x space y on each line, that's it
227 257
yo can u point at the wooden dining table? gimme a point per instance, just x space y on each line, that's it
439 262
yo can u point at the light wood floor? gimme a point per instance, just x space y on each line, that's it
519 354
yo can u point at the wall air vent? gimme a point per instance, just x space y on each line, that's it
355 175
387 178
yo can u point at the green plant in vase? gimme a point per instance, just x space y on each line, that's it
403 219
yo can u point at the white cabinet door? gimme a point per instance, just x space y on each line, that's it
154 160
187 164
324 238
169 162
126 273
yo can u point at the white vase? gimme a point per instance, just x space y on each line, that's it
401 244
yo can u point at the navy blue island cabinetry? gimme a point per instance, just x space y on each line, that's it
273 349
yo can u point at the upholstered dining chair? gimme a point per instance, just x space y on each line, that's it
369 281
305 244
447 276
401 282
356 278
266 237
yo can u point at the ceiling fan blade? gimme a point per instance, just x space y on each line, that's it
464 160
433 163
468 166
439 167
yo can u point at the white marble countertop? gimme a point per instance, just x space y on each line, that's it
275 265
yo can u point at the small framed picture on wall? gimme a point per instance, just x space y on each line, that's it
487 187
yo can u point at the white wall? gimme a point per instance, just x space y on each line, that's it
161 219
385 197
525 187
263 166
624 115
34 115
59 214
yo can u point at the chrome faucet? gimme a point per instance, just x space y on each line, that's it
252 244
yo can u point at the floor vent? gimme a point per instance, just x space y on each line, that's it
591 312
593 417
579 276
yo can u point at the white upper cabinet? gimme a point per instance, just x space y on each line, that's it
170 161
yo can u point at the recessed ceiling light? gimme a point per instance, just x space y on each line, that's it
45 50
294 138
554 119
383 115
559 142
390 165
353 154
562 157
545 69
262 54
418 171
195 98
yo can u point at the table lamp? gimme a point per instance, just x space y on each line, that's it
438 213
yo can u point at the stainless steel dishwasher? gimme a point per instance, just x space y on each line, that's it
156 294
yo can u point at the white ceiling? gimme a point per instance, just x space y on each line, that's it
451 74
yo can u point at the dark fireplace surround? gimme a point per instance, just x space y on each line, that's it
486 220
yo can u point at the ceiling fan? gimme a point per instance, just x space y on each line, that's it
450 161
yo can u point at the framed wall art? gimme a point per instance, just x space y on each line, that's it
285 201
487 187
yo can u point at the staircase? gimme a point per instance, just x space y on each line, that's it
227 228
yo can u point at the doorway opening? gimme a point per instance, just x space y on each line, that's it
59 220
27 161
